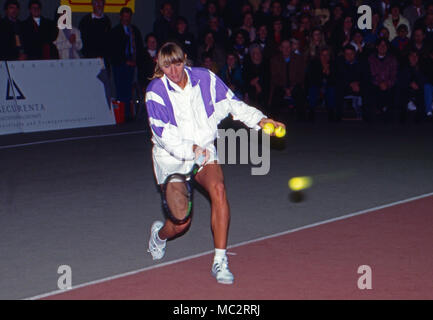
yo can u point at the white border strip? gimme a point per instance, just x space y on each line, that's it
232 246
12 146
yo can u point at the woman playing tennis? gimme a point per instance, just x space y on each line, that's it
185 106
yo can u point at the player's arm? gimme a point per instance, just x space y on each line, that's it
250 116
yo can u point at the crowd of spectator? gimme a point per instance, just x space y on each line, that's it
289 58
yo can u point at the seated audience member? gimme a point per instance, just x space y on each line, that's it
414 12
95 30
383 34
209 63
394 20
220 32
256 78
427 69
11 33
317 42
334 22
342 35
210 11
321 79
127 52
371 35
383 69
410 88
185 38
263 41
231 74
211 48
287 90
263 15
276 13
352 83
418 44
400 44
362 51
302 33
428 27
277 36
320 12
248 27
39 33
240 45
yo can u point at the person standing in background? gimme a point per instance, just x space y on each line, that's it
127 52
12 45
39 33
95 29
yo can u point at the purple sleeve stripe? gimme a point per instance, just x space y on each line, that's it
221 90
205 83
155 110
158 130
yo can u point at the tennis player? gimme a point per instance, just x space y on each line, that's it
185 106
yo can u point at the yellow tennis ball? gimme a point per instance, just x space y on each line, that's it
300 183
268 128
280 132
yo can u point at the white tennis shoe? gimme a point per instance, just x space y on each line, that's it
220 270
156 248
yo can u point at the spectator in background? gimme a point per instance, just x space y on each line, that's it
240 45
203 17
401 43
383 69
263 15
428 25
342 35
256 78
225 13
371 35
38 34
334 22
12 45
231 74
427 69
414 12
209 63
220 33
165 25
95 29
410 88
321 14
212 49
127 52
321 78
394 20
149 60
383 34
248 26
185 38
302 33
383 7
358 43
69 43
317 42
287 82
277 36
263 41
352 83
276 12
417 43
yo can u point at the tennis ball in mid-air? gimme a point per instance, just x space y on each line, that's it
280 132
268 128
300 183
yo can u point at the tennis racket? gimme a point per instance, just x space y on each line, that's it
177 194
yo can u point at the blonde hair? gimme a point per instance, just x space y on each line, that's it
169 53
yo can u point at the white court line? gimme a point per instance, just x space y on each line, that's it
12 146
231 246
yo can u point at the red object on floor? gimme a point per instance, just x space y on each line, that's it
119 111
321 262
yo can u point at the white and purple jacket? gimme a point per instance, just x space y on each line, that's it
181 118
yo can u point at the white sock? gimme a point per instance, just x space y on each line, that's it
158 240
219 255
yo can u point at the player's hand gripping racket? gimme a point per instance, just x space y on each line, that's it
177 193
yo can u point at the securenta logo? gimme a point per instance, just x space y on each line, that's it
108 3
